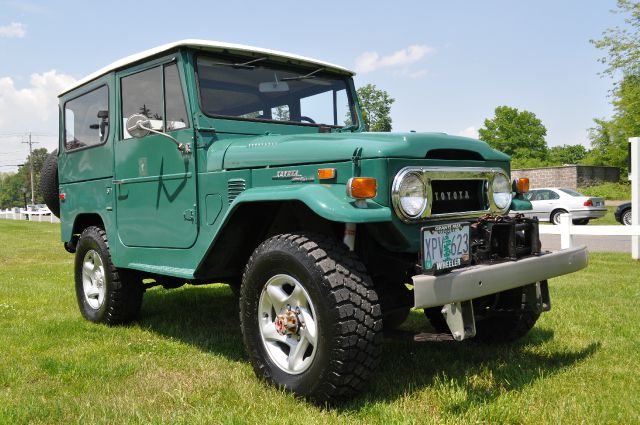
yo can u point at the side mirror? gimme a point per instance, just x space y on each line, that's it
138 125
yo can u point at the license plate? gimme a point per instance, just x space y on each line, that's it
445 246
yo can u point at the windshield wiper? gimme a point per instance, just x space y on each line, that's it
303 77
246 65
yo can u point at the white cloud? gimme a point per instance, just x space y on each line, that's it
469 132
370 61
13 30
33 107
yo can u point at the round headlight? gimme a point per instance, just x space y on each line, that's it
412 195
501 191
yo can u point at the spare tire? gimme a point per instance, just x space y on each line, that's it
49 183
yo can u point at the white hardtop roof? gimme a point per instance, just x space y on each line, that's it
201 44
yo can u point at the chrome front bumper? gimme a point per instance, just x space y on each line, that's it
478 281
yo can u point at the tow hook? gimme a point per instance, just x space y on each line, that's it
289 321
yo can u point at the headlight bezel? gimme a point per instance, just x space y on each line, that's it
396 190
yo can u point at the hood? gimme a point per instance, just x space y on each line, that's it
279 150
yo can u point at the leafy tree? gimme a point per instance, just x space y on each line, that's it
376 108
566 154
609 138
519 134
11 184
622 44
11 195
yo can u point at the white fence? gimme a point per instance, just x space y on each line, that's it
28 215
567 231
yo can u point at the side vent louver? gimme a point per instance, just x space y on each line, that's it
234 188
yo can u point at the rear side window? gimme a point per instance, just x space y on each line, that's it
157 94
86 119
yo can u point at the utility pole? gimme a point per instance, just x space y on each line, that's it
31 143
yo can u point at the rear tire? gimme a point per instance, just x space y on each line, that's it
49 183
105 294
326 289
581 221
626 217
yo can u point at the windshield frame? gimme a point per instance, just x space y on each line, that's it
300 70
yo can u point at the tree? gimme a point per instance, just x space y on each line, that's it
519 134
11 185
622 44
566 154
376 108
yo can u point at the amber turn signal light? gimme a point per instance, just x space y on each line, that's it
521 185
326 173
362 187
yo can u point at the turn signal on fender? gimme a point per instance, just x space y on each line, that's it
362 187
326 173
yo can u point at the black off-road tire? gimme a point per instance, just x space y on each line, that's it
437 320
123 288
49 183
507 325
347 312
512 322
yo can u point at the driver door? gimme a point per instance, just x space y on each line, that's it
155 182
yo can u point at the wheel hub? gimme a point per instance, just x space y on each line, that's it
288 321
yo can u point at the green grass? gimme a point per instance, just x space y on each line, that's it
608 219
609 191
183 362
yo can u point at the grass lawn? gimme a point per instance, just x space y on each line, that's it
608 219
184 362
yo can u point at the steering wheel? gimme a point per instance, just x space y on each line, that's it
303 118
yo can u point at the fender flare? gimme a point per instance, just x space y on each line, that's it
328 201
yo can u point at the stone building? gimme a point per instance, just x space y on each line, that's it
572 176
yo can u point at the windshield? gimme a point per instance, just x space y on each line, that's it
570 192
258 90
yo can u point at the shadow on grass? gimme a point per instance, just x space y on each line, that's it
205 317
464 374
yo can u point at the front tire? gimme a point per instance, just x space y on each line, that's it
500 317
310 317
105 294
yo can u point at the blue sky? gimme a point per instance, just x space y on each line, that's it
447 64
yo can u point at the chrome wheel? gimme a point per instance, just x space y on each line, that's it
626 218
288 324
93 279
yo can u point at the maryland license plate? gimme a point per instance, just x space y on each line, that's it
445 246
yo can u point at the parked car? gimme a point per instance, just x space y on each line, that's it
550 202
623 214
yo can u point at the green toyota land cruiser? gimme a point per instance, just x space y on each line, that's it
199 162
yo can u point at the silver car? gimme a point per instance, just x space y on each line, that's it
549 202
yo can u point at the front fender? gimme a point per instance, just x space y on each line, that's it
328 201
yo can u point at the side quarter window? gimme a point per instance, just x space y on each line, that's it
157 94
86 119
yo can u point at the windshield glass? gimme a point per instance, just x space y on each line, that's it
258 90
570 192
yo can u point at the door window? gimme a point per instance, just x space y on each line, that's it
86 119
157 94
